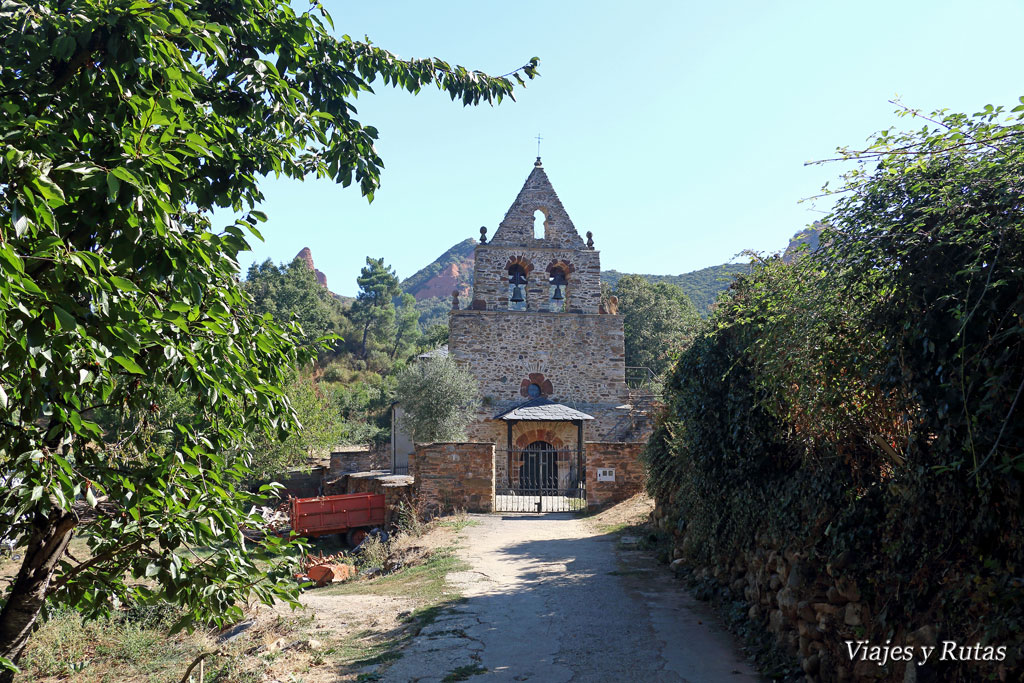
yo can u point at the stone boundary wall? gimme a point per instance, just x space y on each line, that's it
624 458
811 612
453 476
298 483
357 459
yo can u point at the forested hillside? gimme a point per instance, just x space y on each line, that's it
702 286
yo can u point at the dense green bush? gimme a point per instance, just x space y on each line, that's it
863 402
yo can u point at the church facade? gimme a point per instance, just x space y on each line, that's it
549 359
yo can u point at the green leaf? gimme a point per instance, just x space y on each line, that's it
124 284
129 365
90 497
124 174
113 185
64 319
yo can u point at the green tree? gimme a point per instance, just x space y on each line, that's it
407 326
374 309
319 426
292 293
438 399
658 319
126 122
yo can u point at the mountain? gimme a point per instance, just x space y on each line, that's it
306 254
804 242
451 270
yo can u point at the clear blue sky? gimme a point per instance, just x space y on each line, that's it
676 131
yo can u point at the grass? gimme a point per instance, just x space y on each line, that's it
67 646
134 645
424 582
458 523
361 649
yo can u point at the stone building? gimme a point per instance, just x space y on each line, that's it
550 362
558 426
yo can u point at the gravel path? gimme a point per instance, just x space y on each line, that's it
550 598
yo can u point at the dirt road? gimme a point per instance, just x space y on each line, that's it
551 598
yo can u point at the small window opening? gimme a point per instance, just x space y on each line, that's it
516 288
533 391
538 224
559 293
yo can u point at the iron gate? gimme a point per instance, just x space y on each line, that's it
540 478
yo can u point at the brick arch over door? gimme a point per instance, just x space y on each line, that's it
548 435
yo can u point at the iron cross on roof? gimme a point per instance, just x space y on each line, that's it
539 138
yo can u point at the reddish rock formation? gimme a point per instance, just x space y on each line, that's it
307 256
447 280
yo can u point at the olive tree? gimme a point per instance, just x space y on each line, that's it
125 123
438 399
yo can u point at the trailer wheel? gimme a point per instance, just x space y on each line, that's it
355 536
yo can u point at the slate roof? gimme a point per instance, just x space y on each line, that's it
439 352
542 409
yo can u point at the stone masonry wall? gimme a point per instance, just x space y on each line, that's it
490 276
453 476
812 611
624 458
357 459
516 227
583 356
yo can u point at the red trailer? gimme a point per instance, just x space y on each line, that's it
352 514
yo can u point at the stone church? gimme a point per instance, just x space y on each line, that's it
550 359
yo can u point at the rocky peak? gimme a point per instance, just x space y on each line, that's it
307 256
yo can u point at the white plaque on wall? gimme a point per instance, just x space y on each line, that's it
606 474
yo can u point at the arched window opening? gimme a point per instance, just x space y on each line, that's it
516 288
559 285
534 390
539 219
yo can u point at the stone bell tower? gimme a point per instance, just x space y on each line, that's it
537 261
534 332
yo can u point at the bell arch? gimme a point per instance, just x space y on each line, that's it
558 284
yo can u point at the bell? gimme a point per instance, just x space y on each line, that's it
557 296
517 295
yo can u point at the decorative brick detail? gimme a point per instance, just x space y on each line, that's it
454 476
624 458
546 388
519 261
564 265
